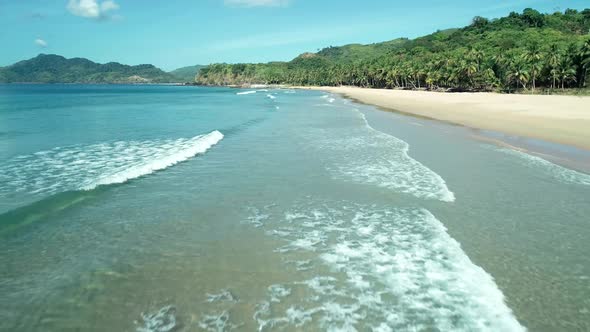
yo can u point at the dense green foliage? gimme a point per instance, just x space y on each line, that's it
520 51
57 69
186 74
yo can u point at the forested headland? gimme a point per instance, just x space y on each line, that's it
51 68
528 51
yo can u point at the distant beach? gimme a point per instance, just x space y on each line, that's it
558 119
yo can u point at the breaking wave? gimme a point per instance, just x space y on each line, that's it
85 167
245 93
388 269
365 155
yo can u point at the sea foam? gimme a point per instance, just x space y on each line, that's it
363 154
163 320
217 322
225 295
85 167
393 269
560 173
246 93
396 169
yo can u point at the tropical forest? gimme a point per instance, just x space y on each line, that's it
528 51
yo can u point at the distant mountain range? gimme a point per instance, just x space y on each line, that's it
51 68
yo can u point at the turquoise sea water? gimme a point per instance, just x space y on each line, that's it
168 208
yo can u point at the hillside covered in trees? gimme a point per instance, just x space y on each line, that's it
187 74
527 50
50 68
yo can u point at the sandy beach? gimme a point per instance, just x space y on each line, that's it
559 119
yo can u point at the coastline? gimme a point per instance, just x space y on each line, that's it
553 118
547 125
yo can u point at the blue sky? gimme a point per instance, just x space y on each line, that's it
175 33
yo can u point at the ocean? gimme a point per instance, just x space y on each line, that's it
176 208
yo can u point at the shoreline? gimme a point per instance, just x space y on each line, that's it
534 116
551 126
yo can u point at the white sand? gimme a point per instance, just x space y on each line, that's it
560 119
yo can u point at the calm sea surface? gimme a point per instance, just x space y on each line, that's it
169 208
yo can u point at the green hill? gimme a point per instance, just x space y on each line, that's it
358 52
187 74
50 68
525 50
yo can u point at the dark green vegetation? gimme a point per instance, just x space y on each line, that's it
187 74
48 68
524 51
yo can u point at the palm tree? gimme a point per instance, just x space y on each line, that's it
518 74
500 62
554 74
489 78
454 72
533 57
477 56
430 79
585 57
470 68
419 73
393 77
566 72
553 59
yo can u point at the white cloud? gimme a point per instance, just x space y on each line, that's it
41 43
257 3
92 8
108 5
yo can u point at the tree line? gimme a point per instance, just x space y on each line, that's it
523 51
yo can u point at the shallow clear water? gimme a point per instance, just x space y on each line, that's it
161 208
